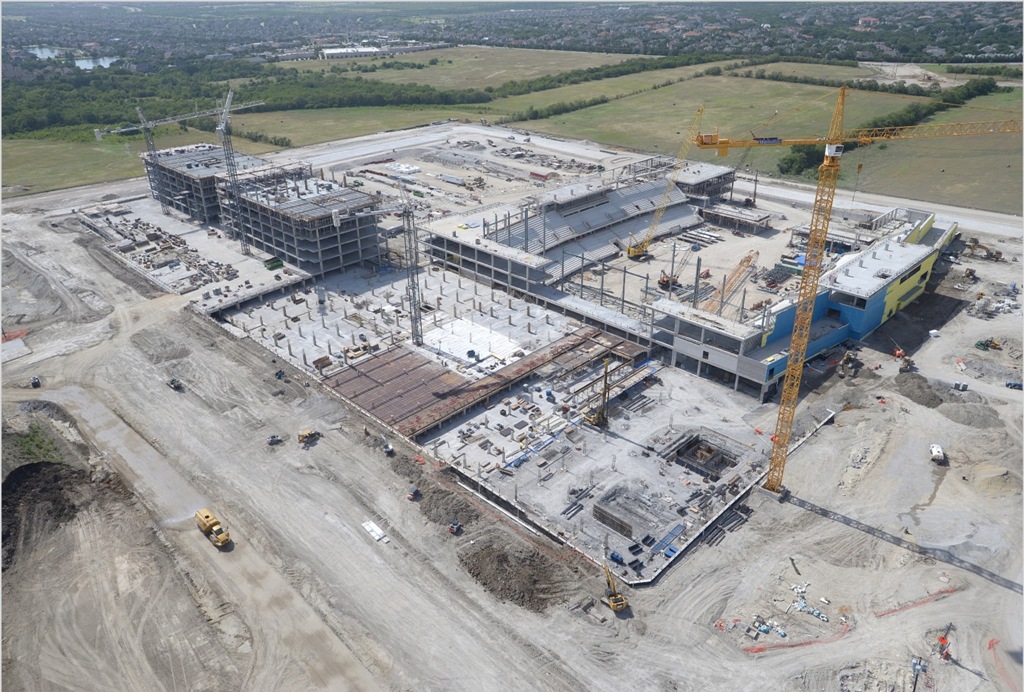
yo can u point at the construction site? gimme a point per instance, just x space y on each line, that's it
533 391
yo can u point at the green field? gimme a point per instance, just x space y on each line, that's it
984 171
613 87
655 121
41 166
472 66
327 124
799 69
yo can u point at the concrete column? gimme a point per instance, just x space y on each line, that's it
304 361
529 328
337 329
314 339
330 351
323 322
290 348
510 319
492 311
300 330
284 309
528 314
547 319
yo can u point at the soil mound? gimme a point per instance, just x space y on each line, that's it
517 572
916 388
971 415
37 498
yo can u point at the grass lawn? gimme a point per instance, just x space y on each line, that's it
472 66
41 166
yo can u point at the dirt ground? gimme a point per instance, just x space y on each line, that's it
117 589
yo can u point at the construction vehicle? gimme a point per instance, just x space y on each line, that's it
666 282
615 600
36 382
974 247
987 344
821 213
274 440
637 248
1015 385
386 446
455 528
938 456
210 525
906 364
845 363
944 643
971 274
308 436
175 384
413 494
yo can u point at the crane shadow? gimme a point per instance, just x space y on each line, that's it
940 554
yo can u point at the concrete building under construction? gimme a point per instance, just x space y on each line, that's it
314 224
185 178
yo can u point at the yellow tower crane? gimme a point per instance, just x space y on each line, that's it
828 175
638 248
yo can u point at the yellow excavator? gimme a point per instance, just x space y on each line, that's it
615 600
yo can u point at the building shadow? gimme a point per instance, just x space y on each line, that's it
939 554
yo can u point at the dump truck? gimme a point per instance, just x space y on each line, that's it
308 436
210 525
938 456
175 384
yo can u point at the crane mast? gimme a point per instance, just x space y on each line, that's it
224 133
828 177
